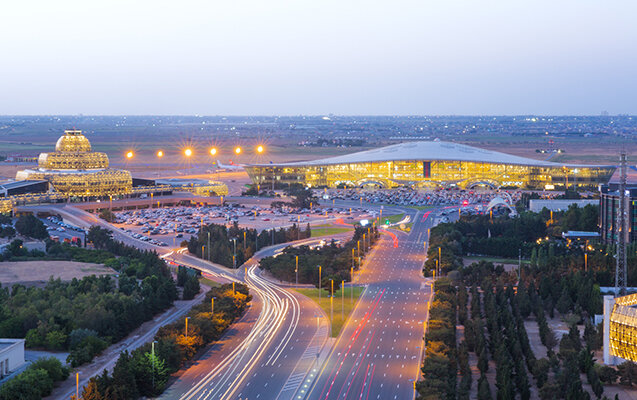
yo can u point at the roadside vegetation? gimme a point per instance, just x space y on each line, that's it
84 316
222 242
336 260
341 309
36 382
495 306
145 372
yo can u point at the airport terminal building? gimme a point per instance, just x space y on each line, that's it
432 164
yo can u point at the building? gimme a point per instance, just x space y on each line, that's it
11 355
620 329
73 169
432 164
199 187
14 188
608 209
537 205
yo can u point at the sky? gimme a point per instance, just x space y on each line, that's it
346 57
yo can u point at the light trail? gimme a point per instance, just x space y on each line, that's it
226 378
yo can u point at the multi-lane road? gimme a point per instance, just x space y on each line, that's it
271 353
377 355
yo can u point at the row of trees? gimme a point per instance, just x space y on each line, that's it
506 237
440 364
335 260
36 382
217 243
145 371
85 315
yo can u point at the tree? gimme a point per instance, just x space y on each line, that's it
627 373
99 237
91 392
302 197
484 391
607 374
31 226
191 288
107 215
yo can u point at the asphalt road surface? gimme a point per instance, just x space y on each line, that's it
378 353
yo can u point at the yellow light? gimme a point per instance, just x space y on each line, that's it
130 154
188 152
213 151
237 150
160 154
260 149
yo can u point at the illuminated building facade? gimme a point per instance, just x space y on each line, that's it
620 329
431 164
608 209
74 170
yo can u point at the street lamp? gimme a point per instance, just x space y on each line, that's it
319 285
213 151
153 358
234 256
77 385
260 149
130 154
160 154
188 152
296 270
237 150
187 318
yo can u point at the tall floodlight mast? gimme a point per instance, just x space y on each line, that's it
621 231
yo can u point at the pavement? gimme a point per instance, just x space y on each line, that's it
280 348
379 351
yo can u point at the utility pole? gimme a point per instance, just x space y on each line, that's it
519 263
621 231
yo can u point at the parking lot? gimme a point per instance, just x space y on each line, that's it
170 226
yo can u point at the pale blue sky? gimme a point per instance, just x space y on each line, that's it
281 57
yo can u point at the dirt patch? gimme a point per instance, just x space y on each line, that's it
35 273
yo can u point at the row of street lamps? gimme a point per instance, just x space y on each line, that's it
189 152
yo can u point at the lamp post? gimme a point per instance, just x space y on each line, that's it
234 254
296 270
439 257
77 385
212 306
332 303
153 358
319 282
187 318
160 154
208 245
343 300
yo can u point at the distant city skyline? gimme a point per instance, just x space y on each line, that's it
317 58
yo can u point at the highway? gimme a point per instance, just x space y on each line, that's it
378 353
271 353
281 333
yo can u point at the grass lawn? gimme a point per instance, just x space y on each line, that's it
392 218
208 282
317 232
405 228
421 208
338 322
496 260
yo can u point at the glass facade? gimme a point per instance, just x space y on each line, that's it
609 207
431 173
623 328
74 170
